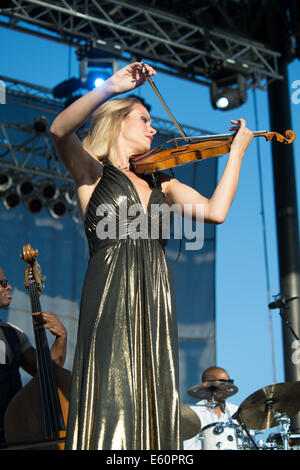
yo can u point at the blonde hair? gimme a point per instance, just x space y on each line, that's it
105 127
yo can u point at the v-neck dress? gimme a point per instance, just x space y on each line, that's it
124 393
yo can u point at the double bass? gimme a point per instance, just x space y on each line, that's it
36 417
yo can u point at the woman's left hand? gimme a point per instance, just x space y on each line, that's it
243 136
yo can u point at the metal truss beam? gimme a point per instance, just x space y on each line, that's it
23 150
133 30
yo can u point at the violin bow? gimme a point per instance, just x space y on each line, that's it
289 136
155 89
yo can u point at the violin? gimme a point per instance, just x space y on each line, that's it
37 415
195 148
185 149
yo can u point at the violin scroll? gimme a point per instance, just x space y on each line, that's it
288 137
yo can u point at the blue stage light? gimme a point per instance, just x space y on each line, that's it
95 79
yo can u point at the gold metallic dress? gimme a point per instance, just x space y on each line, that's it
125 377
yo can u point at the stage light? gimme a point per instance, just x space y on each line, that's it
94 79
34 204
93 72
98 81
69 192
40 125
225 97
66 88
11 199
57 208
6 181
25 187
222 102
48 189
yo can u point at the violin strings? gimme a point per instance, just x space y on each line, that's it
42 366
53 415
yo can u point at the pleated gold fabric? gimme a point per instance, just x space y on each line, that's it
124 392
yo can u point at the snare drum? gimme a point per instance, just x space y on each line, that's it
222 436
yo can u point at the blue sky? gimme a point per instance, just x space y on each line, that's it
242 325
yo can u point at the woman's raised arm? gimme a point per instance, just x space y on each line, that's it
63 129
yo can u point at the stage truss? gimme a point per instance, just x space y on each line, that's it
135 31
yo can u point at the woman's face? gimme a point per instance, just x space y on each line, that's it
136 131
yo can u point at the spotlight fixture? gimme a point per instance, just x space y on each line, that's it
94 79
11 199
25 187
93 71
6 181
68 191
40 125
57 208
66 88
34 204
103 67
228 93
48 189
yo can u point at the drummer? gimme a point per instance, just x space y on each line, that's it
209 412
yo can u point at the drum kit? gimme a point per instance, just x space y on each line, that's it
271 406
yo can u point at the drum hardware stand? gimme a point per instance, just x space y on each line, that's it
241 423
284 422
213 403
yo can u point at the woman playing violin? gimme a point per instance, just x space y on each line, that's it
125 375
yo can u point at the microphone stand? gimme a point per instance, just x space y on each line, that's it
287 323
282 307
282 304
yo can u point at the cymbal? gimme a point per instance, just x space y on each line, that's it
190 422
217 389
257 411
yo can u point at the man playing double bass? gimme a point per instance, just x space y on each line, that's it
16 351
